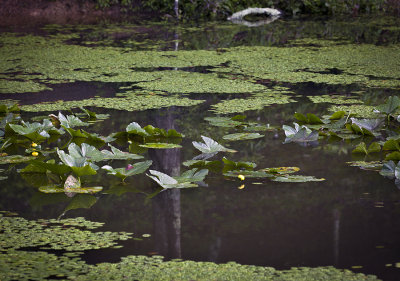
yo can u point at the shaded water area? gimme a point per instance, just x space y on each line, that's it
177 77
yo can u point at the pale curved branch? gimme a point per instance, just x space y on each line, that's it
269 11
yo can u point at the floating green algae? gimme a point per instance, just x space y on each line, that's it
44 61
335 99
254 102
66 234
154 268
39 265
130 102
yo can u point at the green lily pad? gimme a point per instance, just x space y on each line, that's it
135 169
210 146
296 178
166 181
242 136
160 145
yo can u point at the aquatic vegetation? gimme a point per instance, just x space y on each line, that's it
185 180
299 134
242 136
130 170
362 148
210 146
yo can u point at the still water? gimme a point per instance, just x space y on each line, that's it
350 220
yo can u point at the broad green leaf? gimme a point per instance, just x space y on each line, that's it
193 175
371 165
394 156
388 169
374 147
210 146
70 121
361 148
390 106
136 129
248 174
130 170
118 154
311 119
337 115
232 165
369 124
166 181
282 170
299 134
392 145
53 188
160 145
242 136
296 178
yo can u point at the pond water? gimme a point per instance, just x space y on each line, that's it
177 77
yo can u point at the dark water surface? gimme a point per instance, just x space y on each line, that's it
350 220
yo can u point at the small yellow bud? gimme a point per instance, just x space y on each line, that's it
241 177
35 153
241 187
34 144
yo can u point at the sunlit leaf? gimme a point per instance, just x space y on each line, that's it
160 145
282 170
369 124
299 134
242 136
118 154
362 148
390 106
70 121
135 169
166 181
337 115
193 175
210 146
296 178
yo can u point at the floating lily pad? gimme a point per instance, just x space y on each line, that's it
282 170
296 178
242 136
166 181
210 146
130 170
160 145
13 159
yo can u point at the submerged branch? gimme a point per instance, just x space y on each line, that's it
241 14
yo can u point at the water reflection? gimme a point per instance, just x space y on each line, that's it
166 205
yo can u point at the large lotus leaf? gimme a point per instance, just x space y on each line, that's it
299 134
52 188
71 161
13 159
296 178
136 129
371 165
392 145
394 156
242 136
214 166
115 154
362 148
389 169
70 121
34 131
369 124
165 181
160 145
232 165
157 132
282 170
248 174
309 119
131 170
193 175
337 115
210 146
51 166
390 106
87 151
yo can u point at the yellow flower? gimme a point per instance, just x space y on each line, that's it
241 187
34 144
35 153
241 177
